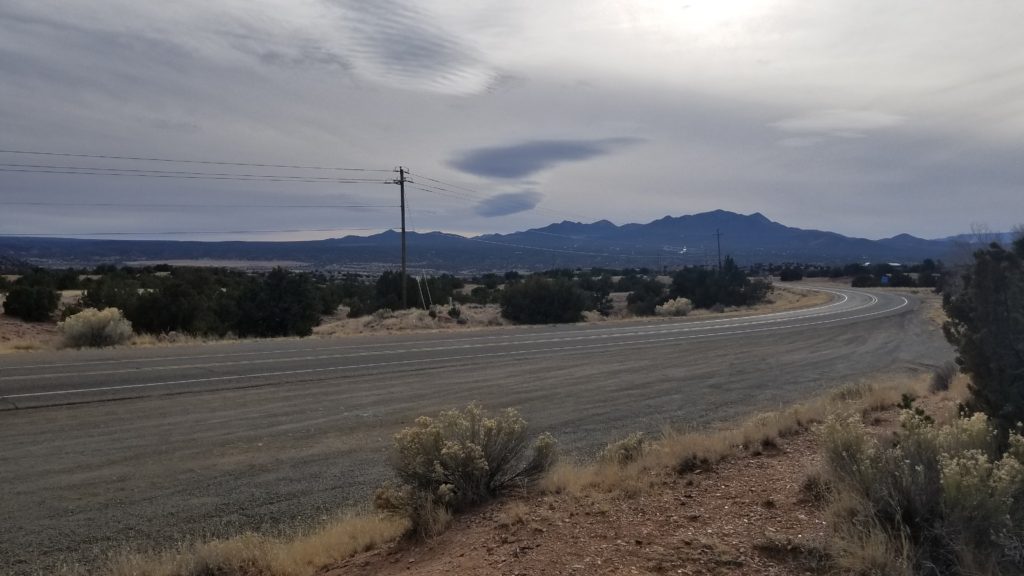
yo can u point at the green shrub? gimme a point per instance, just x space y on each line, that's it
282 303
94 328
539 300
727 287
625 451
938 500
460 459
32 303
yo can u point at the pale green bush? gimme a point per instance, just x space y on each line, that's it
938 500
95 328
674 307
629 449
462 458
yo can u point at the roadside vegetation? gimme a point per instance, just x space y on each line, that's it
914 477
212 303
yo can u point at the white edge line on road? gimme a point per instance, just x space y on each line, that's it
451 358
675 328
793 313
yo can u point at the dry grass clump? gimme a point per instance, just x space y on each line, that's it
254 555
938 500
94 328
460 459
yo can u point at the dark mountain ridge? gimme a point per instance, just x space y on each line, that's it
669 241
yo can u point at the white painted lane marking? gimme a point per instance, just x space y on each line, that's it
447 359
682 328
843 298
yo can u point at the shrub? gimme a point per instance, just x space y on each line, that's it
728 286
32 303
460 459
95 328
625 451
789 274
282 303
940 500
539 300
674 307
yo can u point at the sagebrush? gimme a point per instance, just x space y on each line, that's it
459 459
95 328
938 500
674 307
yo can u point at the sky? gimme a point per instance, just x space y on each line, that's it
869 117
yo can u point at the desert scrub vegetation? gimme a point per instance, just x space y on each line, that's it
460 459
674 307
630 465
92 328
935 500
540 300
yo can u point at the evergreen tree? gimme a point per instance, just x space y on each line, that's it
986 324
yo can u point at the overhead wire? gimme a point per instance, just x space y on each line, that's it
181 161
189 173
471 194
183 232
160 205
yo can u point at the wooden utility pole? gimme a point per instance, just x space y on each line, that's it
718 235
401 191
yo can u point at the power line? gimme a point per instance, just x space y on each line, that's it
178 161
147 205
189 173
471 194
183 232
436 181
187 177
421 188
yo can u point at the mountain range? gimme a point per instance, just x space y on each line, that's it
670 241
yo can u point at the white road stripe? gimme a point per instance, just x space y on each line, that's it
662 330
448 359
795 314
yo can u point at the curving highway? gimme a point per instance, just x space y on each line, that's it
127 447
91 376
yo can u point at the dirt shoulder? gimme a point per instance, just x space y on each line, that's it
752 513
748 516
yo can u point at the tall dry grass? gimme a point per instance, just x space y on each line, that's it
254 555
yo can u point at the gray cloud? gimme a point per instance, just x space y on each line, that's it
521 160
508 203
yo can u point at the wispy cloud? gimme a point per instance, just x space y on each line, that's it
508 203
399 43
521 160
839 123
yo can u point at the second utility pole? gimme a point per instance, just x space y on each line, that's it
401 189
718 235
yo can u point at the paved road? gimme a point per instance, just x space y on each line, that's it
100 449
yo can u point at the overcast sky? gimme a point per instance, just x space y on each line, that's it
866 117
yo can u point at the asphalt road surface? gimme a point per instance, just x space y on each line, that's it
101 450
